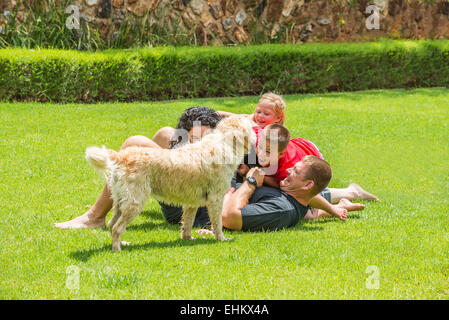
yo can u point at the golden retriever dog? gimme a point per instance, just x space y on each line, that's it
194 175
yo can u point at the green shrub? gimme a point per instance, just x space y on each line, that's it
67 76
171 73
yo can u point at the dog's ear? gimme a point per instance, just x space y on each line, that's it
230 123
237 131
246 143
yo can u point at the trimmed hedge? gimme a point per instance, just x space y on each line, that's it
171 73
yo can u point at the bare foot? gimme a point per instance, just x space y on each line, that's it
341 213
348 205
84 221
361 194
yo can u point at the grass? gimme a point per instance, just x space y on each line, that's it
393 142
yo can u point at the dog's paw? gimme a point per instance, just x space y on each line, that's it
125 243
222 238
116 249
187 238
204 232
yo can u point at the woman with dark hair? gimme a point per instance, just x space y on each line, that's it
169 137
208 119
193 124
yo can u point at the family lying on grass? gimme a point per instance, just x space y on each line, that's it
257 199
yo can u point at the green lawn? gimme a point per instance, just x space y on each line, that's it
393 142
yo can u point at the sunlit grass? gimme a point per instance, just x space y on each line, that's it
393 143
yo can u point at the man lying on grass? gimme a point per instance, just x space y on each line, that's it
298 183
254 207
276 153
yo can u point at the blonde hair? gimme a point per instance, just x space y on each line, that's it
278 102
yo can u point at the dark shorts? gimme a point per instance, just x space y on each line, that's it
173 214
326 194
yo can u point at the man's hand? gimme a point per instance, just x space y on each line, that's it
258 174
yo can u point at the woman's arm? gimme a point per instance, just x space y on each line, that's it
225 114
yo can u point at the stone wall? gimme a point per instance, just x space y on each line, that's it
216 22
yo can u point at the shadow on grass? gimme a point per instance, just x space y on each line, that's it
153 214
156 221
85 254
307 226
351 216
150 225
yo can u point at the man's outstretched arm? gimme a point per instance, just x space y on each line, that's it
234 201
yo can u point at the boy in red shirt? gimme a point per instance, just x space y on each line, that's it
296 150
285 153
276 153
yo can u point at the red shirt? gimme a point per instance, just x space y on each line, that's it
257 130
296 150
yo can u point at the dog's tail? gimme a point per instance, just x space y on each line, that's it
101 159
